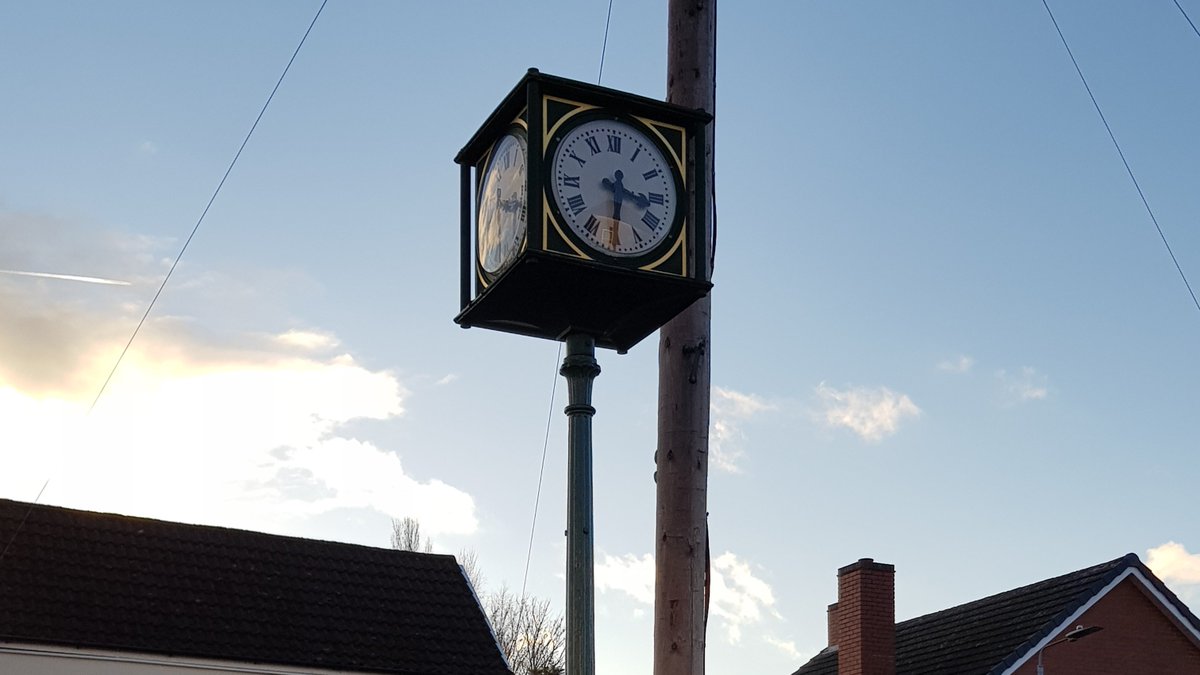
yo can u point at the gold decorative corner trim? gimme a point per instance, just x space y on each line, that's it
681 241
548 132
548 221
680 162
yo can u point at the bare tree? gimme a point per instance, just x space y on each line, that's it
532 638
468 560
406 536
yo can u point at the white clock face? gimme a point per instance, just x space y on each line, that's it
614 187
502 213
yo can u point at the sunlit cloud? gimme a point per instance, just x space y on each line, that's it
197 425
244 443
729 410
67 277
738 596
446 379
787 647
958 365
1179 569
1027 384
629 574
307 340
740 599
871 413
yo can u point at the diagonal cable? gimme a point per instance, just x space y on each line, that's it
179 257
204 213
1124 161
1189 19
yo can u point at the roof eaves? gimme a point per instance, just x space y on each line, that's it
1129 565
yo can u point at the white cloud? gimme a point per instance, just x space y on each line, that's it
1173 564
446 379
873 414
729 409
788 647
629 574
739 598
246 443
307 340
1025 385
197 425
147 148
959 365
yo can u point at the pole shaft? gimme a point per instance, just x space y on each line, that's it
580 369
684 355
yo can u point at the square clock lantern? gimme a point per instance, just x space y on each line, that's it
586 213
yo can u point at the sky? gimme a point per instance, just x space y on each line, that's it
946 333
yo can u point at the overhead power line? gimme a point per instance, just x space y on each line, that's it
195 228
1121 153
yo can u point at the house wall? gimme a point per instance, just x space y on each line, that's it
27 659
1139 638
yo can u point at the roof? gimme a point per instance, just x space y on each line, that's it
105 581
987 636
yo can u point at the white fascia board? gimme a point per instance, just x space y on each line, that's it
1130 572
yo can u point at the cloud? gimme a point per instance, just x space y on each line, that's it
246 430
1173 564
729 409
147 148
629 574
739 598
1024 385
788 647
872 414
958 365
309 341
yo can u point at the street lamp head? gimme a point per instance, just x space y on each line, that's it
1082 632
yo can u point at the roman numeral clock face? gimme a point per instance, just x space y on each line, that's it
501 199
614 188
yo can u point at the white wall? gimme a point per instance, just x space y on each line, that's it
26 659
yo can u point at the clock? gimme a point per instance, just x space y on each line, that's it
501 218
582 210
614 187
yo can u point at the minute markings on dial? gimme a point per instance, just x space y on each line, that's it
619 200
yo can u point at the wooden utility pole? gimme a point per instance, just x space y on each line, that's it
684 355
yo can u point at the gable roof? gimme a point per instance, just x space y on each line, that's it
989 636
105 581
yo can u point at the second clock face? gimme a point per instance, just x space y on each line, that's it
614 187
501 218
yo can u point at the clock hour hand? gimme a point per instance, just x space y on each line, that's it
618 191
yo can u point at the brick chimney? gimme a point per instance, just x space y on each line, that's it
832 619
865 617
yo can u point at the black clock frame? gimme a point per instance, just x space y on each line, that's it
554 287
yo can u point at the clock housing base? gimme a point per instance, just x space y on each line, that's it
551 296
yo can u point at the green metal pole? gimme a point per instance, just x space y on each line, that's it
580 368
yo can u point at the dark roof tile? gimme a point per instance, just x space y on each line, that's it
116 582
986 636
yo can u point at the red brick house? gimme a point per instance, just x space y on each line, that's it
96 593
1144 629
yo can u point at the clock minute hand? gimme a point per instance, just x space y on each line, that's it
618 192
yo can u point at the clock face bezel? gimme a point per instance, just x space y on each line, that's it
512 240
564 140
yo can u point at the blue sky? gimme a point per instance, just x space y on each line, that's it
946 334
